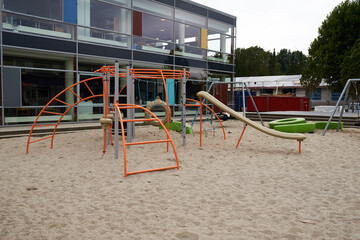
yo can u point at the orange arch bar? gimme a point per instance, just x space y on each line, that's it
168 138
61 115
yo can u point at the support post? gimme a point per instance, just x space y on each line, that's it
201 103
337 105
343 107
183 108
130 99
243 97
253 102
116 118
107 107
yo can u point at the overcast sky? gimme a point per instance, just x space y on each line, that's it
291 24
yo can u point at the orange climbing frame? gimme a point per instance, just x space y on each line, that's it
200 104
167 140
149 74
70 106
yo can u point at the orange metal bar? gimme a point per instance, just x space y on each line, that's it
139 120
152 170
89 88
104 150
167 107
147 142
62 102
123 138
200 122
241 136
192 105
58 122
41 139
118 106
42 111
53 113
136 107
299 147
75 94
189 99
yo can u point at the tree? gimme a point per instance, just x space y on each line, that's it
253 61
337 36
283 58
274 66
297 63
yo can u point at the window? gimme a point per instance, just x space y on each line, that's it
33 62
220 27
39 87
153 8
125 3
219 42
187 35
220 36
267 91
335 96
190 18
97 14
157 28
41 8
140 43
316 95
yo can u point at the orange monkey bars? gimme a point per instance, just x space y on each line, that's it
167 140
200 104
61 115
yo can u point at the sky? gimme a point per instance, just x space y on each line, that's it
290 24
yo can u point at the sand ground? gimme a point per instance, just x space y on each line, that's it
262 190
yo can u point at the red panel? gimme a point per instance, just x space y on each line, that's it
221 93
272 103
137 23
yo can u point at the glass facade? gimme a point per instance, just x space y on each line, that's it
48 45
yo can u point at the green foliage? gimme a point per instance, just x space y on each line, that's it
255 61
330 53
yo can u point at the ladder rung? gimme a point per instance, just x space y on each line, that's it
41 139
140 120
148 142
62 102
129 107
75 94
47 125
152 170
53 113
192 105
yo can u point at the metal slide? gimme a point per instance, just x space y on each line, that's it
212 99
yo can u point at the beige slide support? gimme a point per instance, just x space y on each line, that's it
272 132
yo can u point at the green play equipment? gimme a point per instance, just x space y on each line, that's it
286 121
332 125
296 128
176 126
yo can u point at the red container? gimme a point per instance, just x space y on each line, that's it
221 93
274 103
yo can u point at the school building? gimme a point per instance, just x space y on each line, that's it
47 46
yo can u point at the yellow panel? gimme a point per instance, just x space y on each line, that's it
204 38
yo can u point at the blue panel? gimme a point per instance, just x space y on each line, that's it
170 87
70 11
239 100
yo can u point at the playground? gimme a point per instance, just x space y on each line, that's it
263 189
220 180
